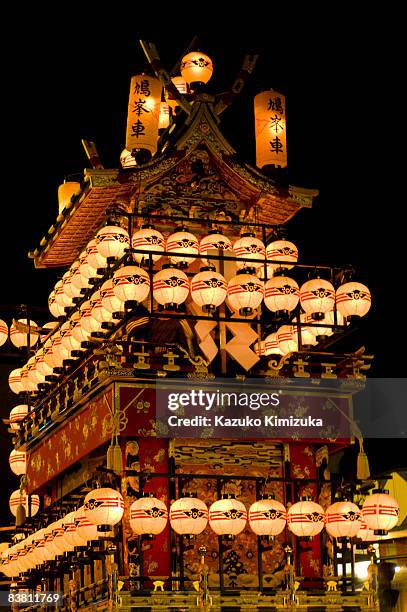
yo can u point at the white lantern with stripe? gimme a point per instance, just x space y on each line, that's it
245 292
282 251
34 376
214 241
14 381
97 310
317 296
39 547
18 498
182 243
305 518
343 519
49 553
50 356
148 515
42 368
307 337
131 284
104 506
3 332
87 321
196 67
365 534
47 329
17 414
69 527
170 287
353 300
188 516
61 297
70 290
287 343
18 462
281 294
271 346
79 333
147 239
28 338
249 247
60 351
95 259
85 529
78 280
58 544
109 299
112 241
267 517
28 385
227 516
380 512
85 268
55 309
208 289
68 342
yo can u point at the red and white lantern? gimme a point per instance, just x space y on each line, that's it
3 332
196 67
148 515
147 239
68 342
95 259
14 381
104 506
69 526
227 516
282 251
307 337
112 241
365 534
188 516
317 296
59 351
380 512
305 519
109 300
183 243
78 280
245 292
353 300
69 289
42 368
208 289
61 297
18 462
287 343
17 414
71 535
34 376
48 327
97 310
343 519
281 294
214 241
79 333
20 339
28 385
249 247
50 356
87 321
131 284
85 529
55 309
267 517
18 498
271 346
170 287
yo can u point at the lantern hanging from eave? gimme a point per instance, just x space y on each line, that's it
282 251
85 268
85 529
28 385
281 294
55 309
143 113
95 259
305 518
109 299
196 68
18 498
20 339
271 346
79 333
343 519
317 296
97 310
104 506
267 517
147 239
214 241
71 289
270 128
112 241
78 280
18 462
87 321
245 292
188 516
60 296
248 247
14 381
380 512
148 515
17 414
65 193
183 243
3 332
69 526
164 116
170 287
353 300
208 289
227 516
131 283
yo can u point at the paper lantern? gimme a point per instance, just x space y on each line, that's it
270 127
69 342
61 297
28 385
182 243
34 376
57 546
65 193
245 292
365 534
18 498
227 516
281 294
143 113
260 348
353 300
208 289
85 269
95 259
14 381
49 553
317 296
47 329
307 337
147 239
112 241
39 547
188 516
343 519
87 321
18 462
104 506
71 536
5 567
164 116
148 515
214 241
305 518
78 281
320 331
86 530
17 414
97 310
55 309
42 368
79 333
267 517
3 332
281 251
170 287
196 67
72 289
51 357
181 85
60 352
380 512
20 339
127 160
131 283
22 563
271 346
109 299
249 247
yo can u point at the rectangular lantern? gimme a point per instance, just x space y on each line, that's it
270 124
143 113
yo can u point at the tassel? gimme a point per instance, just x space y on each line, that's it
114 459
20 515
362 469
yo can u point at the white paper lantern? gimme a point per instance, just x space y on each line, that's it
86 530
39 547
3 332
286 341
147 239
87 321
307 337
317 296
208 289
305 519
214 241
61 297
245 292
14 381
70 290
97 310
49 553
50 356
78 280
281 251
281 294
353 300
170 287
196 67
69 527
85 268
60 352
365 534
34 376
131 283
188 516
267 517
20 339
55 309
47 327
18 462
17 414
380 512
5 567
104 506
343 519
71 536
95 259
112 241
79 333
28 385
182 243
271 346
42 368
249 247
18 498
109 299
227 516
148 515
57 545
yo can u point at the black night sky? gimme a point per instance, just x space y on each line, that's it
70 80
